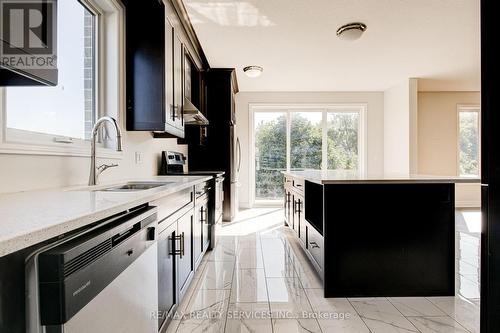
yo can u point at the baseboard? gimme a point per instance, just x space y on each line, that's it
468 204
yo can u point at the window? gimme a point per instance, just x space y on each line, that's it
270 154
58 120
468 141
305 140
68 109
343 140
300 138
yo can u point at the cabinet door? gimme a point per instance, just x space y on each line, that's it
169 74
167 297
145 66
178 82
301 229
197 233
295 223
205 225
185 262
288 208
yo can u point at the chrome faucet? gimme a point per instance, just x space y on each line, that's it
95 172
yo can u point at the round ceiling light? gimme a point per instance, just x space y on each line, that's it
351 31
253 71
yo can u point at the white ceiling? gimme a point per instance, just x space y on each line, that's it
294 40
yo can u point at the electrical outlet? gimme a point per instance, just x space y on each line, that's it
138 157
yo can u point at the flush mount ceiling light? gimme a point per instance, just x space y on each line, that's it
253 71
351 31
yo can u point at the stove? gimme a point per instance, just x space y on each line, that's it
174 164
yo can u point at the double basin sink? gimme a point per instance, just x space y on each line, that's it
134 186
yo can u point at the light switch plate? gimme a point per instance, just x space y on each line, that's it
138 157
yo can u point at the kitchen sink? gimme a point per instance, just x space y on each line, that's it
135 186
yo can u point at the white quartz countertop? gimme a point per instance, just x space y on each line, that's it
346 177
28 218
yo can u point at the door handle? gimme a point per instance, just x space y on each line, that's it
314 245
239 153
182 245
172 250
202 214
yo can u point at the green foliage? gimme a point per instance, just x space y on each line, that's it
342 141
306 153
469 143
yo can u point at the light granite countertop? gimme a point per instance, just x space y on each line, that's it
346 177
28 218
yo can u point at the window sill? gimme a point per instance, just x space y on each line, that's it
81 151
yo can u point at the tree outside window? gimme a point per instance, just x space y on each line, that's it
307 131
468 142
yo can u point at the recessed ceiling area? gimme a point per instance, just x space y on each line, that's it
437 41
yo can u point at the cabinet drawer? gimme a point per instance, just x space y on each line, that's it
172 203
298 184
201 189
314 244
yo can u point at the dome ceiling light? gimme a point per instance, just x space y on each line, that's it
253 71
351 31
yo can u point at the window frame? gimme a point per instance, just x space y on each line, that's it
288 109
468 108
108 92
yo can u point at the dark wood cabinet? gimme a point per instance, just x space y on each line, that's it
154 70
145 63
166 272
185 265
217 151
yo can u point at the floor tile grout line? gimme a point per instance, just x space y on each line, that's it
267 288
454 319
359 315
194 291
395 307
300 281
230 292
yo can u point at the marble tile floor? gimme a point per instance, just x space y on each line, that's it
259 280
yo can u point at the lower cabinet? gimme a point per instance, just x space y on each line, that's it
201 238
314 245
185 236
310 238
166 271
182 242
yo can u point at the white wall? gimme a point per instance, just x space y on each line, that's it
400 134
30 172
438 139
375 125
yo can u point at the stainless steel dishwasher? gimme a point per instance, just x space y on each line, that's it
102 280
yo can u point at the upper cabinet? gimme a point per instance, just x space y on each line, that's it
145 100
157 58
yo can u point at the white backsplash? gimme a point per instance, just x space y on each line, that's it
32 172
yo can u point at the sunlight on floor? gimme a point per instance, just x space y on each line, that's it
473 220
262 220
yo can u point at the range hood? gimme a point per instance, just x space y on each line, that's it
193 116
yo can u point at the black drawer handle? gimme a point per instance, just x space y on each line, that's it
176 252
130 252
182 245
314 245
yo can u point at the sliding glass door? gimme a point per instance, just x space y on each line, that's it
306 140
301 138
270 154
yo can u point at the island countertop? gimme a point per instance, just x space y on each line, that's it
346 177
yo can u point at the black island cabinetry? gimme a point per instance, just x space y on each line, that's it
376 237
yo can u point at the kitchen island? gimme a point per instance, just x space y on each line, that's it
378 235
